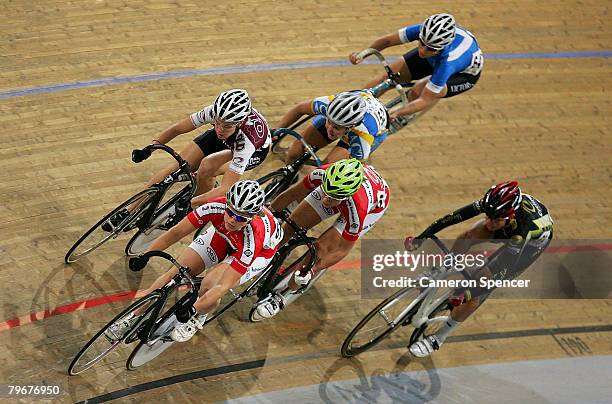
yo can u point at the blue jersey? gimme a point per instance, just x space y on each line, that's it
462 56
370 133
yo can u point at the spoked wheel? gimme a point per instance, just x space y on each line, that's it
435 321
292 261
106 340
392 312
96 236
148 350
274 183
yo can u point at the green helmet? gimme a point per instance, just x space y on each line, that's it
343 178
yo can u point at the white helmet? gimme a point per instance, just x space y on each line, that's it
246 197
438 31
232 106
346 109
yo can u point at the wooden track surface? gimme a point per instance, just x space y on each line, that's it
65 163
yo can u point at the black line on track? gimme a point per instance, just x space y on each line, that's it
238 367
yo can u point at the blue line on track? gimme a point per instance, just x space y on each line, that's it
54 88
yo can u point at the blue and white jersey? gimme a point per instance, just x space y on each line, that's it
367 136
462 56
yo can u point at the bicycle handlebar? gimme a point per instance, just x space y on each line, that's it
184 271
393 78
309 149
183 170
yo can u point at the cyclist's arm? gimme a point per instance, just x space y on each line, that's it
183 126
175 234
425 100
229 178
380 43
296 192
458 216
295 113
386 41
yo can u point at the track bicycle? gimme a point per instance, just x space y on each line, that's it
151 329
424 309
279 139
148 212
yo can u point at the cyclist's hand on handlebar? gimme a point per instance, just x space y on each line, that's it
137 263
411 243
140 155
354 58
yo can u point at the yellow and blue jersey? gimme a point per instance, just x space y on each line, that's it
369 134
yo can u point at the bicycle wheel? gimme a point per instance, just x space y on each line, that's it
96 236
159 225
274 183
436 320
379 323
146 351
101 345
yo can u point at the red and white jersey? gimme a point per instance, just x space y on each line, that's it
372 198
253 134
260 238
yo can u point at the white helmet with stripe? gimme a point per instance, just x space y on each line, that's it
232 106
438 31
246 197
347 109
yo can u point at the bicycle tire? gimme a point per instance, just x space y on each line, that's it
73 255
143 238
144 353
113 344
348 350
274 184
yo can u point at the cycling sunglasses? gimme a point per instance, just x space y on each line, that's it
224 125
429 48
236 216
332 198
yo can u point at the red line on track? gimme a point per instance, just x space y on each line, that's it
128 295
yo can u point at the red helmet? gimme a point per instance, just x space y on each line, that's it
502 200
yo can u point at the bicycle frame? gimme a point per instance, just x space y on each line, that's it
426 300
143 332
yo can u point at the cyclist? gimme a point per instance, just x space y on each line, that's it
519 219
357 118
348 189
242 240
446 62
239 141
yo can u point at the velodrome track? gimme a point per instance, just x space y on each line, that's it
83 83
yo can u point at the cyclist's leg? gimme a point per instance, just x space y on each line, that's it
211 166
459 83
339 152
307 214
314 134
